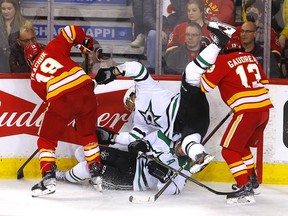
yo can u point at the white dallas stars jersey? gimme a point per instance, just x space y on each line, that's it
155 108
161 148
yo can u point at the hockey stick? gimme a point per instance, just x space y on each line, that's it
153 198
217 127
159 193
141 154
20 173
86 62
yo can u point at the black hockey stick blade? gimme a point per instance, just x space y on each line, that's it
20 172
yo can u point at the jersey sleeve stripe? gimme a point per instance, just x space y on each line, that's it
206 85
69 33
66 82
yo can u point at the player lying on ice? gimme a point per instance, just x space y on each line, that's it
122 170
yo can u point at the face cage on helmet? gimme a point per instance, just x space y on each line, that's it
126 104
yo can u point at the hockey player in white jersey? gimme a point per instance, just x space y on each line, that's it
124 171
184 115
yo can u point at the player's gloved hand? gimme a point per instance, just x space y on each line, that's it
105 136
160 172
138 145
105 75
87 45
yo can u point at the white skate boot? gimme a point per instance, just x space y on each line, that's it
220 32
202 160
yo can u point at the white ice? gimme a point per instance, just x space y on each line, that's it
80 199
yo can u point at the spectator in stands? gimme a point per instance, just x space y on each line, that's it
176 15
275 7
139 31
248 41
253 10
25 36
10 21
222 10
177 58
284 33
195 13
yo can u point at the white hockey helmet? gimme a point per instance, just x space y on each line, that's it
127 99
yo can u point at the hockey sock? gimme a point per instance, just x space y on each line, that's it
92 153
236 166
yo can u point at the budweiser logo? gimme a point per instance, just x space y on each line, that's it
19 116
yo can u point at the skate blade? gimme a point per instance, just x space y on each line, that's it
241 200
198 167
38 192
98 187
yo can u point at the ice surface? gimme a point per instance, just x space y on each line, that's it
81 199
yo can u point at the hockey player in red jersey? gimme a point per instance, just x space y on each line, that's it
240 79
68 93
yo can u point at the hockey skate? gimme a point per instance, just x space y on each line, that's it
96 176
245 195
220 32
60 175
201 161
254 182
46 186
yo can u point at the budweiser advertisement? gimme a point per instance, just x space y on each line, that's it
21 114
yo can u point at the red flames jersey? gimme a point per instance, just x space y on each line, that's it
53 72
274 42
240 80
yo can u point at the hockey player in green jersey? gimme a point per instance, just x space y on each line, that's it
185 114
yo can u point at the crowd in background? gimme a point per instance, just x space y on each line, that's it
184 32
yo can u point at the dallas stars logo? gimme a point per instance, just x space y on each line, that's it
149 117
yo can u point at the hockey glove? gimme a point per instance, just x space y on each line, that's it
105 136
105 75
86 46
138 145
88 43
159 172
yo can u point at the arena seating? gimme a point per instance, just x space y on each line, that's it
108 21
